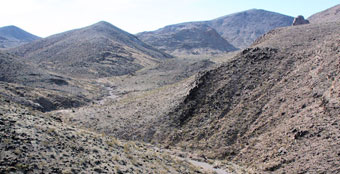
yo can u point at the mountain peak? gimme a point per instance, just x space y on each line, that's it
13 36
98 50
103 23
242 28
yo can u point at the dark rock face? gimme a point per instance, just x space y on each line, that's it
300 20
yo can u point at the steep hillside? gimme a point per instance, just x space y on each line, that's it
239 29
328 15
243 28
274 108
99 50
12 36
187 38
32 142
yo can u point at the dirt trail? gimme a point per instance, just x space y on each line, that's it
206 166
112 95
184 156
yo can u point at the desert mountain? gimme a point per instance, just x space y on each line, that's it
239 29
329 15
270 108
98 50
12 36
243 28
187 38
274 108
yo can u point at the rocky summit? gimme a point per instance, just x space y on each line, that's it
300 20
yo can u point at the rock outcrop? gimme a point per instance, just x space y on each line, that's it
300 20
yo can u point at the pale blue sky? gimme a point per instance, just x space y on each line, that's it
47 17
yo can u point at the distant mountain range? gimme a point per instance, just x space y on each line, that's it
328 15
98 50
238 30
12 36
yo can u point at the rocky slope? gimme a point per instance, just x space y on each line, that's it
32 142
239 29
328 15
187 38
98 50
12 36
29 85
274 108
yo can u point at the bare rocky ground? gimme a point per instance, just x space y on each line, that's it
273 108
48 143
34 142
